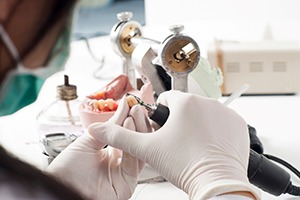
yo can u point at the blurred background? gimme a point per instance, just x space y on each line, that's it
203 20
96 17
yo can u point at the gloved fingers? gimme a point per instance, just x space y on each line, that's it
115 153
142 124
167 97
147 93
82 152
129 123
196 111
121 112
140 119
130 164
119 137
183 105
86 143
175 98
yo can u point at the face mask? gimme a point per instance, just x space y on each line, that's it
21 86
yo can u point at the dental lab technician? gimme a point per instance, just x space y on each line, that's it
203 149
34 44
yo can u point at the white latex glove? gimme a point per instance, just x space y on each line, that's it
102 173
203 148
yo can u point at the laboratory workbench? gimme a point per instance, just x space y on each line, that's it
275 118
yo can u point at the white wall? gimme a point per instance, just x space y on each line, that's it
206 20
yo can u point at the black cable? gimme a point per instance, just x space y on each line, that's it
293 190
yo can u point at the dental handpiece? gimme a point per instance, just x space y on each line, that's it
262 173
159 113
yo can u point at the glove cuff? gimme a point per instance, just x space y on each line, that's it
221 187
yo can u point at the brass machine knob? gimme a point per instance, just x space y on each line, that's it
180 54
123 32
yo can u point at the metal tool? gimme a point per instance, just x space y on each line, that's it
158 113
54 143
121 35
178 54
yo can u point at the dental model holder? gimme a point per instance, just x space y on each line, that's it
178 54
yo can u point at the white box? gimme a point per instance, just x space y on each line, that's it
269 67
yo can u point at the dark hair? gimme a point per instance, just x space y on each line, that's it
33 179
61 8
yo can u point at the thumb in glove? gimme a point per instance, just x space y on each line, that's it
203 148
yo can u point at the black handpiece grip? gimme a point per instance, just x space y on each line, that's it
255 143
161 114
266 175
164 77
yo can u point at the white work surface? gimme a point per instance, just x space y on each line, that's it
276 118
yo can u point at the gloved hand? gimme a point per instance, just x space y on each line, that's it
102 173
203 148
